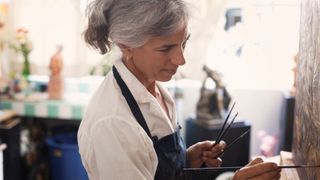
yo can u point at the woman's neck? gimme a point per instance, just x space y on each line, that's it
150 85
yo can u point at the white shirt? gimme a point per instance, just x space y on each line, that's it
112 144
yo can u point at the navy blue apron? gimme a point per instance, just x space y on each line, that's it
171 150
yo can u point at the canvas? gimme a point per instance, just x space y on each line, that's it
306 140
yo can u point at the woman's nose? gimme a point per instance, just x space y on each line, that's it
179 59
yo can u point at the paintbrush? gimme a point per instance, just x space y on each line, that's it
234 141
234 168
223 126
225 131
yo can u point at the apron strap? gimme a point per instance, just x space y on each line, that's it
131 101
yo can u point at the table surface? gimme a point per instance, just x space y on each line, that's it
65 109
290 173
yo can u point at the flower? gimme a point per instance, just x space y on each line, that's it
23 45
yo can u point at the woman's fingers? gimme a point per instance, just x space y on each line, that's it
205 152
255 161
269 175
258 170
221 144
215 150
210 156
212 162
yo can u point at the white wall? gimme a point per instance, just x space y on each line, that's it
269 31
51 23
263 109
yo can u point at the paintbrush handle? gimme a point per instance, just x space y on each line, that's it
300 166
234 141
224 124
226 130
234 168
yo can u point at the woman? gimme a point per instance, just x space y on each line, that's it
130 129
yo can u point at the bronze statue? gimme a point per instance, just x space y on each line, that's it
213 103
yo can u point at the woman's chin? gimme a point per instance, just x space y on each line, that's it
165 78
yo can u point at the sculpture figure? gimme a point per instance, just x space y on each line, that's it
213 103
55 86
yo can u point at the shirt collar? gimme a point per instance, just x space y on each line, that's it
140 92
137 89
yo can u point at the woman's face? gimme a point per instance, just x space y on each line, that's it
159 58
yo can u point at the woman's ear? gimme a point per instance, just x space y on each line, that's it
126 51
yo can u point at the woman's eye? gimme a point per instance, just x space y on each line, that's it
164 50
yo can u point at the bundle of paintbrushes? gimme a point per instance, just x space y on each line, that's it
223 131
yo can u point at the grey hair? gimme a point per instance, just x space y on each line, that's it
132 22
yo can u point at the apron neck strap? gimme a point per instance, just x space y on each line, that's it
131 101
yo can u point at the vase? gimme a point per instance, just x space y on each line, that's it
26 67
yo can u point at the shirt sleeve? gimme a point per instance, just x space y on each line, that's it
121 150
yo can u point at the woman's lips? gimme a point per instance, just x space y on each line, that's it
170 71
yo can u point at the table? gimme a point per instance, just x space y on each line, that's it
288 174
53 109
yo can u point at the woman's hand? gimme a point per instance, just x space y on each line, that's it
205 152
257 169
